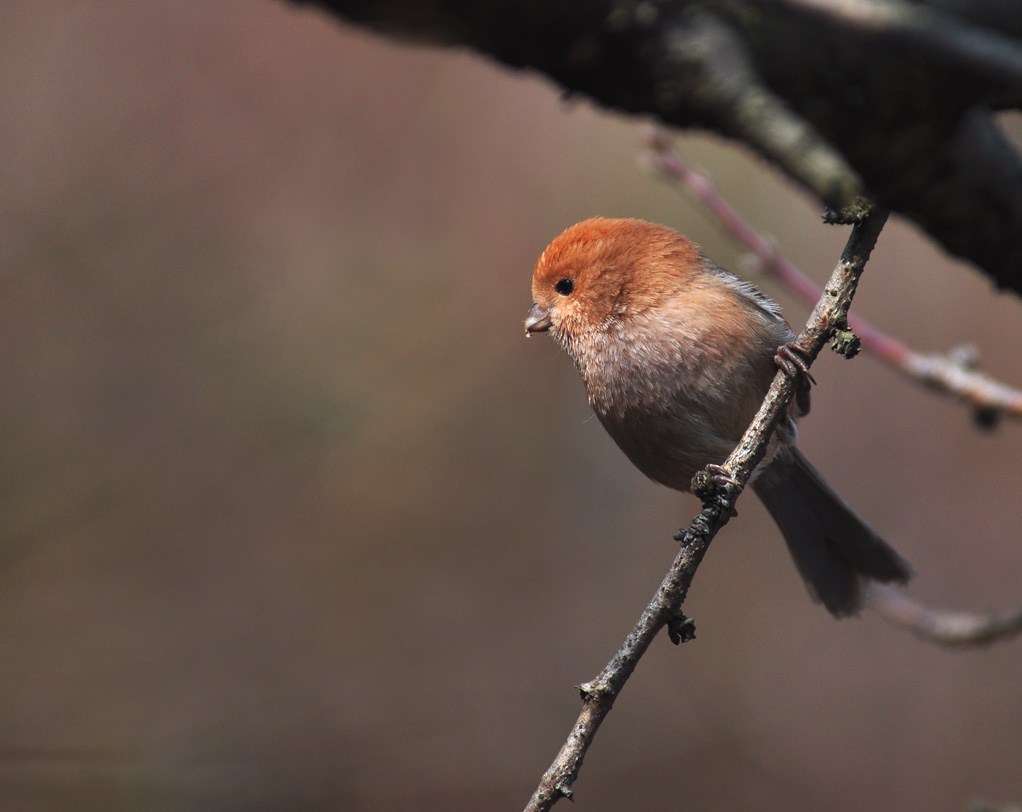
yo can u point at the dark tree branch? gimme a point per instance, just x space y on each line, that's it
941 35
710 59
664 609
889 97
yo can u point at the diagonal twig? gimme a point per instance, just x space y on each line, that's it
950 373
664 609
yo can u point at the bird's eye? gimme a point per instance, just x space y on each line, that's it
565 287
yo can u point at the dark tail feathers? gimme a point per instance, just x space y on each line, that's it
833 548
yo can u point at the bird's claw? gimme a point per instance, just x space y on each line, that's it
719 475
793 361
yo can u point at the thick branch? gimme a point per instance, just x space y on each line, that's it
664 609
897 105
942 35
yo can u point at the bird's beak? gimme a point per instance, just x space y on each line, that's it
538 320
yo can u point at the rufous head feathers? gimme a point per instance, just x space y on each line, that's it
603 268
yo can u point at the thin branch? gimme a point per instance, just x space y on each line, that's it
664 609
951 373
953 629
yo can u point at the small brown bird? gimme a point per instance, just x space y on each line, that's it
677 354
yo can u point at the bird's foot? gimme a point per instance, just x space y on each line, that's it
719 475
710 483
793 361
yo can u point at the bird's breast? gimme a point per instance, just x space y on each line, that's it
673 399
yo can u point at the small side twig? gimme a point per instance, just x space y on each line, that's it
952 629
952 373
598 695
947 37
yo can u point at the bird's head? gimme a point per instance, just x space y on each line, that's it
602 271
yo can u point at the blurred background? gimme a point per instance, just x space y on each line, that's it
294 517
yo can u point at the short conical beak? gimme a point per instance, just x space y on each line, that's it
538 320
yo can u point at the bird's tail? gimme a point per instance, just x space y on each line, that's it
833 548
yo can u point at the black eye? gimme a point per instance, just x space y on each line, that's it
565 287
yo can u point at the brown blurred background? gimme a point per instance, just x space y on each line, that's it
293 517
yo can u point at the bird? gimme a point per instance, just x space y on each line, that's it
676 354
